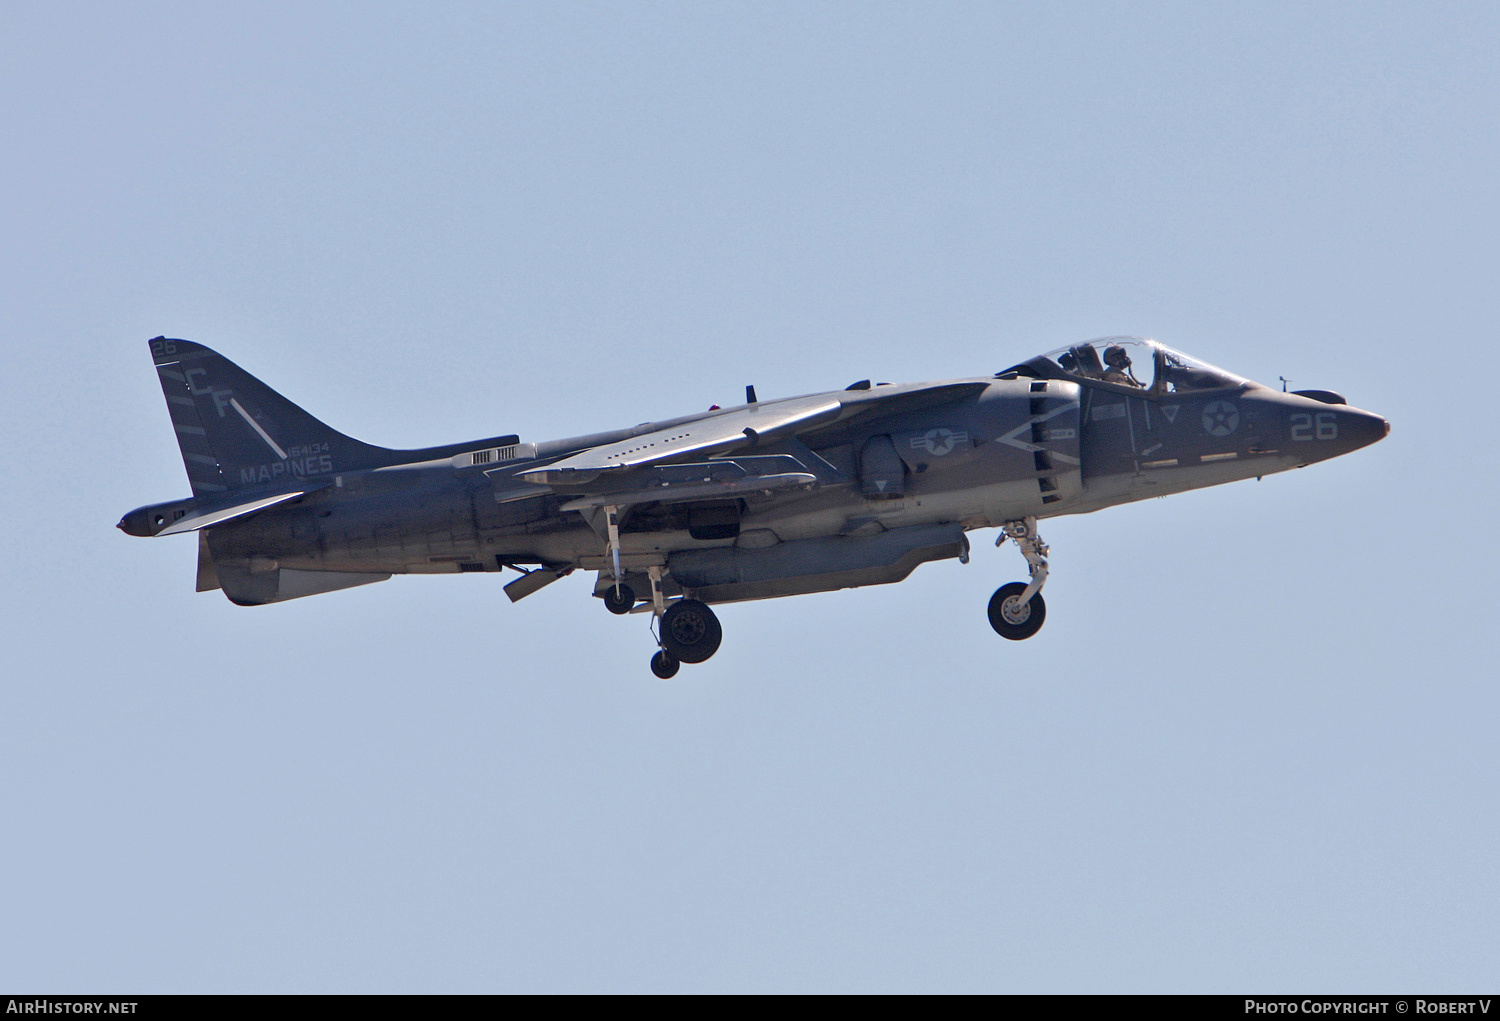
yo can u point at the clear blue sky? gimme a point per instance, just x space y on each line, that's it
1254 747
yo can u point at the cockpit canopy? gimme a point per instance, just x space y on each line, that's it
1135 363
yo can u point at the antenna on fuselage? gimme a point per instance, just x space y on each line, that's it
1284 382
750 395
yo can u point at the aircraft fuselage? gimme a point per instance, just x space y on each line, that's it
808 494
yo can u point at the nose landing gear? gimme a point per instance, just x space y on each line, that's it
1012 618
1017 610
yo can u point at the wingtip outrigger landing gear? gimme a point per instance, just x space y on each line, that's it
619 598
1016 610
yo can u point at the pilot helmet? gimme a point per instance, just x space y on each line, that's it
1116 357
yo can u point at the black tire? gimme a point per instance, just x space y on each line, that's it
623 603
664 665
690 631
1015 622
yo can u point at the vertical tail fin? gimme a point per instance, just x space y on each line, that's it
235 431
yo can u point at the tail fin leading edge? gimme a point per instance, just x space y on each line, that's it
235 431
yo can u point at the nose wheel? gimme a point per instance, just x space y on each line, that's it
1017 610
1013 619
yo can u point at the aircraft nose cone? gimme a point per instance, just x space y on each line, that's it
1312 429
1361 428
1319 431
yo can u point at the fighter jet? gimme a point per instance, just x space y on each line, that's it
769 498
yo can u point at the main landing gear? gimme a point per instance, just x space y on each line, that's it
689 633
1017 610
686 630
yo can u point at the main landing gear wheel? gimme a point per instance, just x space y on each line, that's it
690 631
1012 618
619 598
664 664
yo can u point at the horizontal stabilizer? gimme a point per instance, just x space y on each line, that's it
212 509
209 518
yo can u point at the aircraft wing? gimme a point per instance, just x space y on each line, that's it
734 430
746 450
719 479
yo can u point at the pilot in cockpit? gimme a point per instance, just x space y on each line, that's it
1118 361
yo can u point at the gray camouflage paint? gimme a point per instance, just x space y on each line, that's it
851 487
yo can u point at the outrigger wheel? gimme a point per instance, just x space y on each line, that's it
689 632
1012 618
